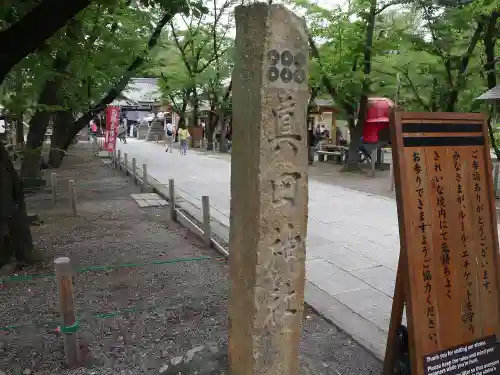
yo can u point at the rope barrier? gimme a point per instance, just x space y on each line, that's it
56 324
188 194
107 268
219 211
136 265
26 277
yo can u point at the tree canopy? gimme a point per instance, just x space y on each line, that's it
428 55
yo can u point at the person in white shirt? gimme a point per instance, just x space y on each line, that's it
169 136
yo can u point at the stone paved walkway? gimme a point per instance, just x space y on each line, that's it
352 242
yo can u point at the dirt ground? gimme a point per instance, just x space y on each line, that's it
132 320
329 172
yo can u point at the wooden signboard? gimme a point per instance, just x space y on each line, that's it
448 269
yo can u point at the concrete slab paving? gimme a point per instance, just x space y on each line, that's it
149 200
142 203
344 258
352 243
331 278
371 304
380 277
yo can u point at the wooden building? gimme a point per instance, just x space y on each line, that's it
324 111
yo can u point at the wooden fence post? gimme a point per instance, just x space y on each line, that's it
171 198
72 195
144 178
207 231
53 178
134 170
119 159
69 324
125 163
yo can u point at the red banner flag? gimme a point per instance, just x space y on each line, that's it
112 124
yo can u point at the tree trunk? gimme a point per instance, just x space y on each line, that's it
357 131
48 98
32 154
36 134
434 96
195 115
19 112
355 141
210 128
310 129
182 118
347 104
15 233
19 131
489 42
120 86
35 27
223 146
464 63
73 129
57 150
222 115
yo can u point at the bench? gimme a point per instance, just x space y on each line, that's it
330 155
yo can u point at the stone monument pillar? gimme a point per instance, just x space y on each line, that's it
156 130
268 191
142 129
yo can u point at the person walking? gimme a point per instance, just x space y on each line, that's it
122 132
169 136
93 136
183 137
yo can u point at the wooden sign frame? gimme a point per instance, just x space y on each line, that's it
448 267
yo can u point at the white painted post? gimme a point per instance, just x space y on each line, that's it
64 275
53 178
134 170
207 230
144 178
171 198
72 195
125 163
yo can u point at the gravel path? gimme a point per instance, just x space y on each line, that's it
132 320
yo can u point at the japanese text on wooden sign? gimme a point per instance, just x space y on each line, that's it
448 227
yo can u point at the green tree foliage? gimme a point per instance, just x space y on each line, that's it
435 51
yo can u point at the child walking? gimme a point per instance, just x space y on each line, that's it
183 137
